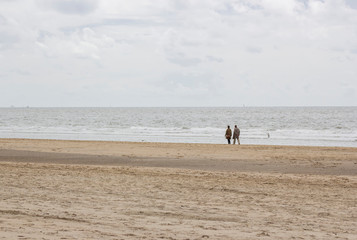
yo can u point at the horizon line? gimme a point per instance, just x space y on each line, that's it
244 106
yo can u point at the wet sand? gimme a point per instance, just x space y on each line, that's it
118 190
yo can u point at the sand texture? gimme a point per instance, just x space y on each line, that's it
110 190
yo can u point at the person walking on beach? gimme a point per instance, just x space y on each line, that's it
228 134
236 134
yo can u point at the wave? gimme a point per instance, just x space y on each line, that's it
167 133
312 126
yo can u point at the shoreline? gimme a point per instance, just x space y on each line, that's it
2 140
247 142
195 156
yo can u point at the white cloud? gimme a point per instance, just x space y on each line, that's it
84 43
264 52
173 46
70 6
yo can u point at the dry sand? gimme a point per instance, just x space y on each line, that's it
117 190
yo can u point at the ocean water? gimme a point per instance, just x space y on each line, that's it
307 126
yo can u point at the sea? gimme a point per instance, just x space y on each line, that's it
303 126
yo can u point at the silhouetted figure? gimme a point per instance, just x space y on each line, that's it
236 134
228 134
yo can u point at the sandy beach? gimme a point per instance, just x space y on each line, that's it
53 189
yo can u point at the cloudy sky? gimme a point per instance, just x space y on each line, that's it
116 53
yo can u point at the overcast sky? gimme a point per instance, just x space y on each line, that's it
178 53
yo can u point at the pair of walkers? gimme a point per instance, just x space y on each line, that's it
236 133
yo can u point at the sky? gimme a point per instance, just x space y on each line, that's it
170 53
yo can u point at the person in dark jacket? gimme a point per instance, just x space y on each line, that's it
228 134
236 134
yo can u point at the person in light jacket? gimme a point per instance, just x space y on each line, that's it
236 134
228 134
